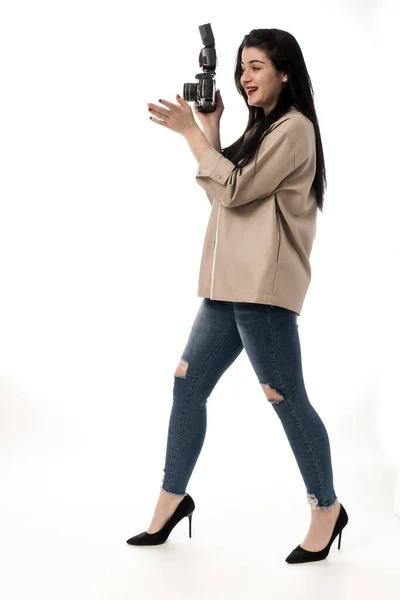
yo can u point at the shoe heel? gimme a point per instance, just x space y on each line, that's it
340 539
190 524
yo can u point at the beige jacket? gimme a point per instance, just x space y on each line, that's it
260 232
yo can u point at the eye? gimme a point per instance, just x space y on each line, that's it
256 68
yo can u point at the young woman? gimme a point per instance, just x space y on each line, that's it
265 190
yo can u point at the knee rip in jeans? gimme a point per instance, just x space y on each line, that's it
181 369
271 394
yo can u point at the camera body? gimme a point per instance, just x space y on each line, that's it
203 92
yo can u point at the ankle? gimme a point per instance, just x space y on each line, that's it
325 510
169 497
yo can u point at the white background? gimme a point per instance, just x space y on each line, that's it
101 232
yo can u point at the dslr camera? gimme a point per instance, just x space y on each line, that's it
203 92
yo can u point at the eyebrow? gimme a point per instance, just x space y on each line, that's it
251 61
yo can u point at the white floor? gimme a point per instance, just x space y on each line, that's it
72 546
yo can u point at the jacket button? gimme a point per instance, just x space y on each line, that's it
219 176
200 172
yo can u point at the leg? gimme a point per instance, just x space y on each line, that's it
212 346
271 340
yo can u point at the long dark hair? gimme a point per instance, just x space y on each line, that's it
285 54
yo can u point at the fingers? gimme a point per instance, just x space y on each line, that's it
166 103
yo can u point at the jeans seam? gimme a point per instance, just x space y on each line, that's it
190 394
287 396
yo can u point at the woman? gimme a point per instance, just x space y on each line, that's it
265 191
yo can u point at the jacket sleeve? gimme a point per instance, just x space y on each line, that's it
275 161
211 199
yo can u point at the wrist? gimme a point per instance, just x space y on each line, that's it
214 127
191 131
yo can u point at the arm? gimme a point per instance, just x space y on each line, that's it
275 161
200 141
213 135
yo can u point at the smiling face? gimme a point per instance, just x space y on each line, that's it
258 71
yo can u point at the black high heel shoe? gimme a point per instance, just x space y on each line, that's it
184 509
300 555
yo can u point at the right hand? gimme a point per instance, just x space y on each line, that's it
212 118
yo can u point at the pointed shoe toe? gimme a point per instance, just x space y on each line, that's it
147 539
299 555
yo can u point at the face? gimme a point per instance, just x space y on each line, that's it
258 71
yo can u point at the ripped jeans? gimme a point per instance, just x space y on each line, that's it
269 334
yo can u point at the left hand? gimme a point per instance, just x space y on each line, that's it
177 117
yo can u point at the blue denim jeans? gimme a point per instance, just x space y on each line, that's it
269 334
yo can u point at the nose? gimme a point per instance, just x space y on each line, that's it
245 80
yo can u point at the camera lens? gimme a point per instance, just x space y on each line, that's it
190 92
